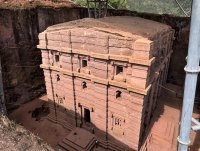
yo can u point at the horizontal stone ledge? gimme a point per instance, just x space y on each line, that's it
143 44
142 62
60 49
43 47
102 56
99 80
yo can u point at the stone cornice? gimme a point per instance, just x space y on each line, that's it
100 56
99 80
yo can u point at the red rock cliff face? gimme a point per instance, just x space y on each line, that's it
23 79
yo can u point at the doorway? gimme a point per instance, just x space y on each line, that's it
87 115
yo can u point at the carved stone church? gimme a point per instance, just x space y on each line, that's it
105 75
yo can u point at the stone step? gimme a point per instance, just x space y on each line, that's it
110 146
63 123
70 146
102 144
114 146
91 144
63 116
66 147
73 145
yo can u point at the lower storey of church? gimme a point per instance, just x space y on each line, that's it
113 114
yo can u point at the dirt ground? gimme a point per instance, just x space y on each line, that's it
169 107
12 4
50 132
169 110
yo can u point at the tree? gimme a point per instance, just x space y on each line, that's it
116 4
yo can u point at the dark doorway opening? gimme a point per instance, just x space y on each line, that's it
87 115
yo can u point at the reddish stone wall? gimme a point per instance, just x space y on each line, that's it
124 116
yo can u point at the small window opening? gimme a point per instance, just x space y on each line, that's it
58 77
119 70
61 100
117 121
84 63
118 94
84 85
57 58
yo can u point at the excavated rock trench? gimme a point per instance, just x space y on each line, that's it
24 80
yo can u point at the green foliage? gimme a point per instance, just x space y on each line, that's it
117 4
81 2
161 6
150 6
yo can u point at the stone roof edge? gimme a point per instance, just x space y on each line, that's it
100 56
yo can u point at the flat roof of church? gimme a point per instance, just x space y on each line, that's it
122 25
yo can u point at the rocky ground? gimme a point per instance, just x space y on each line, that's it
34 3
14 137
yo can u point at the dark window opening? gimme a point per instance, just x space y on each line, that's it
84 63
87 115
117 121
57 58
60 100
119 70
118 94
84 85
58 77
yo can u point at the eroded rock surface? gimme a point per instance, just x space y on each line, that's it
14 137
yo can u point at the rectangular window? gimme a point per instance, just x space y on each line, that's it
84 63
56 58
119 70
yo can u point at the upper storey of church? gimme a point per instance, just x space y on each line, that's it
129 39
123 51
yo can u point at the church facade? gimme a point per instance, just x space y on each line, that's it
106 75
